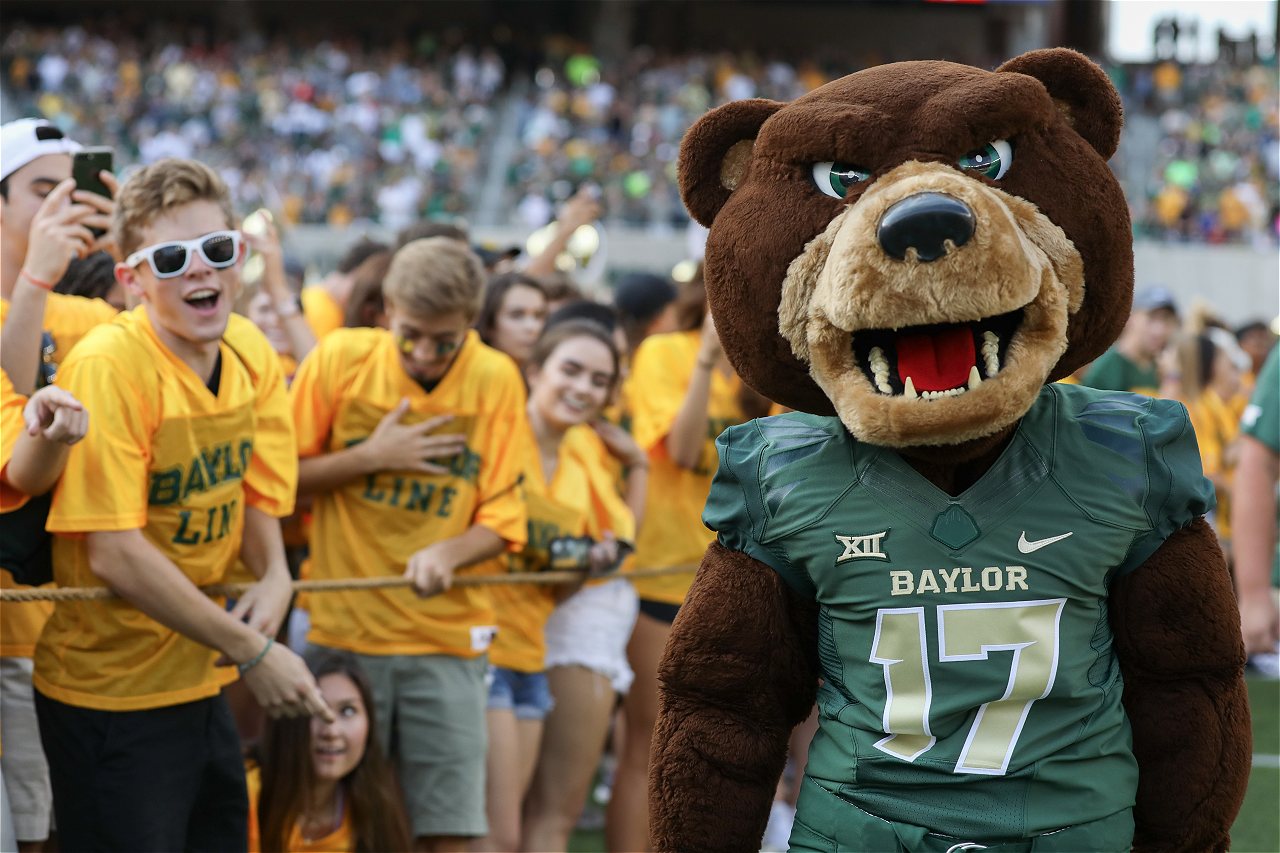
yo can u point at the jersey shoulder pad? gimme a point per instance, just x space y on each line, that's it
788 471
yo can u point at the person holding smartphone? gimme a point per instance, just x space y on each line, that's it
47 221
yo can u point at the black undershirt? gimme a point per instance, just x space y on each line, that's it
215 378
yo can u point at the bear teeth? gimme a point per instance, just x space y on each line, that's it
990 354
880 370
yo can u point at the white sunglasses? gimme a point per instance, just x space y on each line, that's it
218 249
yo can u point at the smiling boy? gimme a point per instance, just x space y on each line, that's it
410 442
181 475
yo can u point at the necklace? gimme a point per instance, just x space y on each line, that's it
315 828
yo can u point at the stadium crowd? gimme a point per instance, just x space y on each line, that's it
428 410
333 131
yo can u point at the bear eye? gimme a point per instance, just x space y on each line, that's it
835 179
992 160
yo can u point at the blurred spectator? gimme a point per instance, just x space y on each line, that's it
1257 341
93 277
1130 364
1257 567
512 315
646 306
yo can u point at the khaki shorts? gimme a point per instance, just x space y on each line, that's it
431 721
26 773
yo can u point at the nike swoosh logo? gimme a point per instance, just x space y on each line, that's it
1027 547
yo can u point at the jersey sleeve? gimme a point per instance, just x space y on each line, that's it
104 486
659 380
735 506
11 426
313 397
1261 418
1178 491
271 483
503 445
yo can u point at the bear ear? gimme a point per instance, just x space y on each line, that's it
1083 92
716 152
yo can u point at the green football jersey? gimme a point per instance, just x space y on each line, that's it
969 682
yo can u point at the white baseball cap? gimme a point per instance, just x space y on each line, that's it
26 139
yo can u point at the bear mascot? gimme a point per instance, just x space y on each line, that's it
1000 590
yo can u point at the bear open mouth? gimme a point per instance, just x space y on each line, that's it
937 360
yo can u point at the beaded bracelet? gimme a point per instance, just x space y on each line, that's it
245 667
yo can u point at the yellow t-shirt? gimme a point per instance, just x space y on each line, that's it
341 840
582 500
20 622
370 527
165 456
323 313
67 319
673 533
1217 424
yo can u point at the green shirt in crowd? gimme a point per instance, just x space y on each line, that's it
1114 371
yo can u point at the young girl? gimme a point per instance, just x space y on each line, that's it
576 516
683 394
513 314
326 786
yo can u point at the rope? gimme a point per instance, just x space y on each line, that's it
231 590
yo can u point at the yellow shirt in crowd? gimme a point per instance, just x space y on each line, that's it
20 622
673 533
341 840
581 500
166 456
370 527
1217 424
67 319
323 314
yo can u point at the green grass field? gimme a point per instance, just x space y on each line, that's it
1257 829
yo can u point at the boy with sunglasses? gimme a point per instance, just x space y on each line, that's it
182 474
410 439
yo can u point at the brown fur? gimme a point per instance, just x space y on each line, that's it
790 273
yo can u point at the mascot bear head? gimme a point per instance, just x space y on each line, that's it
918 247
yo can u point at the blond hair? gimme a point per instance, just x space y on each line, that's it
156 189
435 276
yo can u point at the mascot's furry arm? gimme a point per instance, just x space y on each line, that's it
1177 637
740 671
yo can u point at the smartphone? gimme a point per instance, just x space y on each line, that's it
85 166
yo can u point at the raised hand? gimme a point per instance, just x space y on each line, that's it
54 414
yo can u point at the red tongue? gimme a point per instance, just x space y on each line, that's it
936 362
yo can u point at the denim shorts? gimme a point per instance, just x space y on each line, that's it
525 693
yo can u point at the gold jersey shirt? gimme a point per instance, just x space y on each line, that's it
581 500
370 527
20 622
673 533
166 456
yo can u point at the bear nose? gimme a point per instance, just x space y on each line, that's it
925 222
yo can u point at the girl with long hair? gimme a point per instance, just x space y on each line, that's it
576 518
326 786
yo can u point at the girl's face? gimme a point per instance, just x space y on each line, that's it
519 321
337 747
262 312
572 386
1226 376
